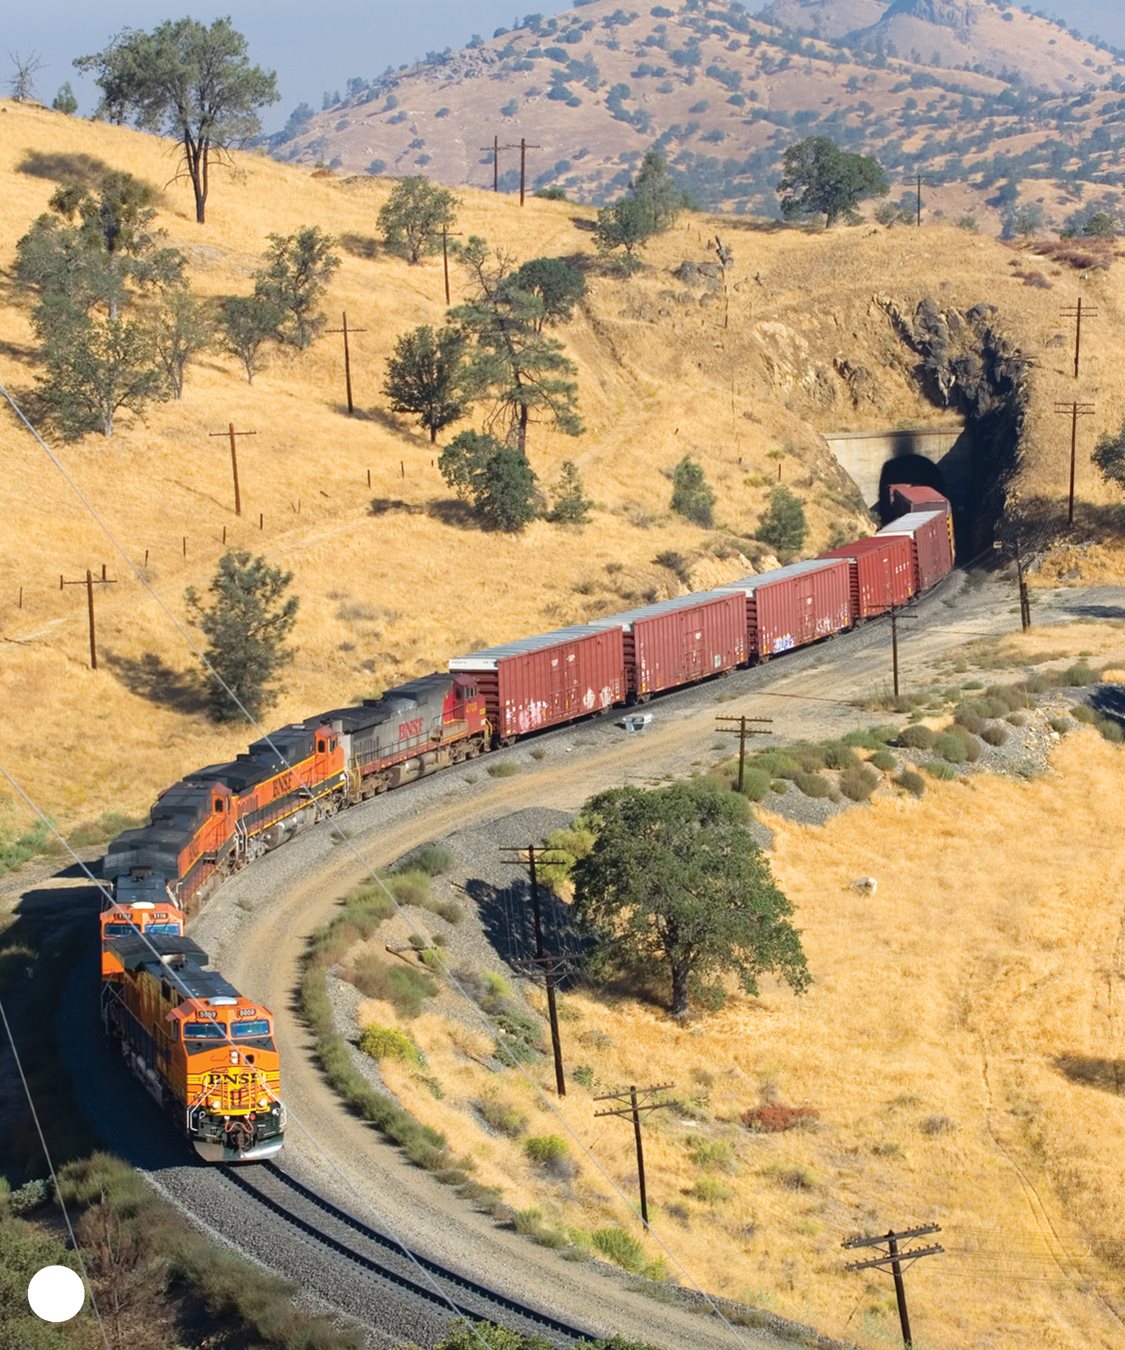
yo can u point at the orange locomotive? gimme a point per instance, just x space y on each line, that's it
203 1051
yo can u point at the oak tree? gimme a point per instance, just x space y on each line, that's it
821 179
428 375
674 880
413 216
293 278
190 82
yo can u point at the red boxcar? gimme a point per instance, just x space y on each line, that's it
908 497
680 641
882 573
795 605
931 535
538 682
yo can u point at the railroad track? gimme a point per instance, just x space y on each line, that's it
384 1260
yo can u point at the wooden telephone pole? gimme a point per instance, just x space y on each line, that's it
742 731
347 358
631 1103
90 582
1074 411
230 431
1021 581
896 614
1077 313
445 256
892 1260
524 148
545 962
496 147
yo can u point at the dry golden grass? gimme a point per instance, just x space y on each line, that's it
387 596
962 1043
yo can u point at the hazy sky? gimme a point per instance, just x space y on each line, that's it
316 45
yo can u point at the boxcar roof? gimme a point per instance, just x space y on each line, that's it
750 584
490 657
908 524
628 617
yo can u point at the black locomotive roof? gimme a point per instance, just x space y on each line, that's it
155 846
271 755
423 693
183 953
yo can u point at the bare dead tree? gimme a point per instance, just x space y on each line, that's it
22 83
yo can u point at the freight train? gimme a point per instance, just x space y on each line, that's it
222 817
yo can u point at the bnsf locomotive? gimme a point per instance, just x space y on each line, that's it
219 818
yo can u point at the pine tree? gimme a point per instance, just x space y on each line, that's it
571 505
246 626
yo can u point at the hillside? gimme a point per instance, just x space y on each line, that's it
981 99
390 583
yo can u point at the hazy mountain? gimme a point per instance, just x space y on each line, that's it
974 94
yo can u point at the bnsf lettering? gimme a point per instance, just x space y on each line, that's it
232 1079
413 728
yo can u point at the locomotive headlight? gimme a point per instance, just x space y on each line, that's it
262 1101
234 1056
215 1103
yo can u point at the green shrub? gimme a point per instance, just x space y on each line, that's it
1079 675
389 1043
858 783
621 1248
809 757
521 1036
837 755
972 721
545 1148
28 1197
584 1075
950 747
872 738
1017 719
404 986
994 734
411 886
711 1190
969 743
713 1155
432 859
1111 730
505 769
916 738
812 784
883 759
911 781
755 783
1061 724
938 768
780 786
1037 684
776 763
1081 713
995 705
502 1116
16 849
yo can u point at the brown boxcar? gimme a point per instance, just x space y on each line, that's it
538 682
795 605
882 573
679 641
908 497
931 536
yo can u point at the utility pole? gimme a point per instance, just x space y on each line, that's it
90 582
1077 312
634 1108
918 183
347 358
230 431
545 962
496 147
894 612
741 732
892 1259
1021 581
445 256
1074 411
524 148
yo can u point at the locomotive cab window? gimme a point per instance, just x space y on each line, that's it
245 1031
321 747
204 1031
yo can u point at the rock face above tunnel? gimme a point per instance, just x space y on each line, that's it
968 364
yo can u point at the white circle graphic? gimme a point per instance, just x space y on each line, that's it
56 1293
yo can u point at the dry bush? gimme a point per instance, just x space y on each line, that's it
776 1118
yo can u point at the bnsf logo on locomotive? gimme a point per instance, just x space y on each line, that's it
234 1079
412 728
